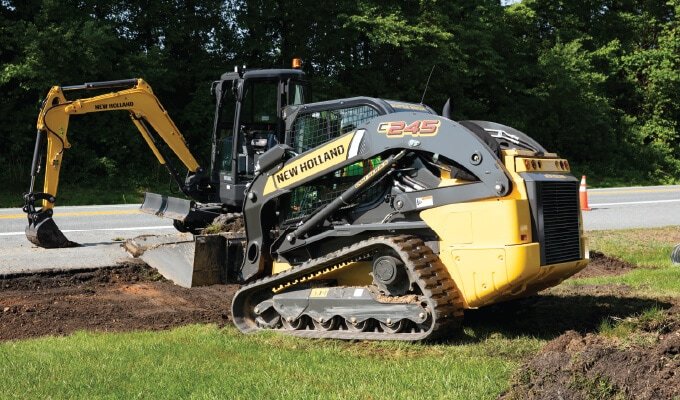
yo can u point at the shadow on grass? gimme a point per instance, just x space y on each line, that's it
549 316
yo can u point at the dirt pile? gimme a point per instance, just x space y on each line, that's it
230 222
131 297
641 364
603 265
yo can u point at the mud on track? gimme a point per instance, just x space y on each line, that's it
124 298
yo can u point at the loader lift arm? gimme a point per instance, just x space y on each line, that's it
147 114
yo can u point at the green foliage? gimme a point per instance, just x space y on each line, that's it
596 81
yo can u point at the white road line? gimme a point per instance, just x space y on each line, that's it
670 188
136 228
635 202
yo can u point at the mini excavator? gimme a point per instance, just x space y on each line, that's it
364 218
247 120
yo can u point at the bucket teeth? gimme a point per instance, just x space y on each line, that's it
44 232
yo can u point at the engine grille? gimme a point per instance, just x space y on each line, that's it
558 221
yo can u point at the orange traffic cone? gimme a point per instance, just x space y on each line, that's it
583 195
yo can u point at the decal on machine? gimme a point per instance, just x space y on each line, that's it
555 176
368 176
425 201
319 292
407 106
397 129
309 164
109 106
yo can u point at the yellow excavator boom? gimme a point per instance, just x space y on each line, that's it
144 108
147 114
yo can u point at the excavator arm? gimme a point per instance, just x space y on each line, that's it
147 114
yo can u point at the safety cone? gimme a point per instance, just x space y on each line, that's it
583 195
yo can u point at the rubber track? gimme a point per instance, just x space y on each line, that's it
426 269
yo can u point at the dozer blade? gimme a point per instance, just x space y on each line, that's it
165 206
43 232
187 261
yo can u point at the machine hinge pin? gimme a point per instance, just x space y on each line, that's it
421 315
389 321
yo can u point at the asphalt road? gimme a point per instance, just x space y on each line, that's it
100 229
633 207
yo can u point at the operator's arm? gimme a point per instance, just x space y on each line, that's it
144 108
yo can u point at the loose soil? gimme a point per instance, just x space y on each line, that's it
124 298
643 365
602 265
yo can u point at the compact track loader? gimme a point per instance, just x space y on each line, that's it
391 230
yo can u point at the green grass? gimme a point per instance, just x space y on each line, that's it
649 249
205 362
628 328
645 282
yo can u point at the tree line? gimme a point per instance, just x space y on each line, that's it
597 81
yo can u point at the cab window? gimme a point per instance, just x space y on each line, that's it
259 105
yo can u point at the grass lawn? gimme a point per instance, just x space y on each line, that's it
202 361
649 249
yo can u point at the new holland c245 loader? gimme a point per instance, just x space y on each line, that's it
375 219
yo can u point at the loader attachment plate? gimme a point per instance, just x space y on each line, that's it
166 206
185 259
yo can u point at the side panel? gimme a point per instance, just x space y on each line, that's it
493 250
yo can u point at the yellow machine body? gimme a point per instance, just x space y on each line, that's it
487 246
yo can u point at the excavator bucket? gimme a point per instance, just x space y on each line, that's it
41 230
44 232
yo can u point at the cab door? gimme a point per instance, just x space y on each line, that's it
226 93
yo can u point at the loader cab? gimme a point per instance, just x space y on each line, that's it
248 122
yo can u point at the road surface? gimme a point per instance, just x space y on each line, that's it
633 207
100 229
